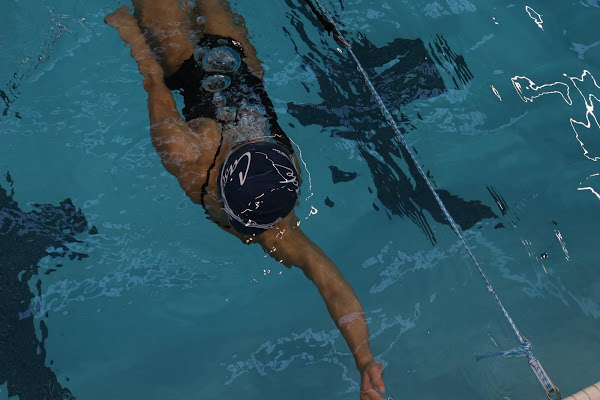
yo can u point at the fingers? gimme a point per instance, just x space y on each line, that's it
376 373
111 20
372 382
114 19
370 395
378 384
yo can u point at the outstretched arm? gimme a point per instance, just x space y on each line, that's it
293 247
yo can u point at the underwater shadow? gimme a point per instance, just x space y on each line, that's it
402 71
25 239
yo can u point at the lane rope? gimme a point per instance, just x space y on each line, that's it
525 348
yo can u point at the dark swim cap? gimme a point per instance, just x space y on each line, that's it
259 186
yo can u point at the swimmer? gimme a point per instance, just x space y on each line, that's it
227 150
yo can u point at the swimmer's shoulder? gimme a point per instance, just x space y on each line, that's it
205 127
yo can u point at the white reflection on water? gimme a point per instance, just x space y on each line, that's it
588 138
594 187
496 92
528 90
535 16
561 240
587 78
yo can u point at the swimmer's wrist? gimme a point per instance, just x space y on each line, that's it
150 69
153 79
364 361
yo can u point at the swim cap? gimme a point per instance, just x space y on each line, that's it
259 186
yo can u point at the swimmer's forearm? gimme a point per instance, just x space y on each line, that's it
341 301
161 105
347 312
295 248
350 320
130 33
168 130
150 69
352 323
164 116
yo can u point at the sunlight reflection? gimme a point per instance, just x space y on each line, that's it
528 90
590 188
589 139
562 243
496 92
589 105
535 16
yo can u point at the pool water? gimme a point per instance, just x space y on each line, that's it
126 291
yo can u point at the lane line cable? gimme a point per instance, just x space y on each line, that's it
525 348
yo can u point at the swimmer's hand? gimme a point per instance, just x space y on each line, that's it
131 34
125 23
371 381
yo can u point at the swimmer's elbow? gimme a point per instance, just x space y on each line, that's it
282 256
175 147
285 252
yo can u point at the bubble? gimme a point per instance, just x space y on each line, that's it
226 114
199 53
214 83
253 110
221 59
218 100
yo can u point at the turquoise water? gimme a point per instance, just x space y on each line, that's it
166 306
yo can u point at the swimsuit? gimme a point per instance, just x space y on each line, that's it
217 84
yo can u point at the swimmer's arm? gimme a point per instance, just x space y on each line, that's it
174 141
130 33
341 301
293 247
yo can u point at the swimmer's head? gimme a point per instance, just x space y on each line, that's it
259 186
